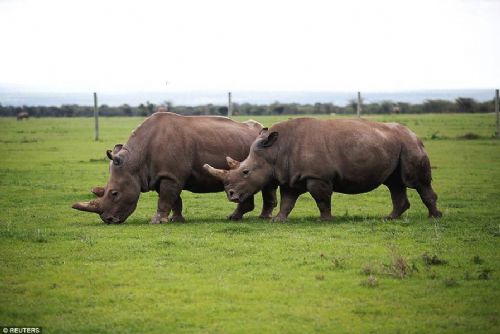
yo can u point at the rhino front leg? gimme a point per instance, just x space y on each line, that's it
242 208
177 211
287 202
169 192
269 201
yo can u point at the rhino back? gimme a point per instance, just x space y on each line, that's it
175 147
355 155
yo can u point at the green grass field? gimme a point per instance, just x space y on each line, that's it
68 272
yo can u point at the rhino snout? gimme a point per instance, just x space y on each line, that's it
233 196
110 219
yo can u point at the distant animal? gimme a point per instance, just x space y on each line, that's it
23 115
325 156
166 154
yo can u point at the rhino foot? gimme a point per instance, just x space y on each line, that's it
235 216
177 219
159 218
278 219
265 217
436 214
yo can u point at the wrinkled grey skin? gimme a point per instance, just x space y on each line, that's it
165 154
325 156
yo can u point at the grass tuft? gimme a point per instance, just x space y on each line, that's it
433 260
370 282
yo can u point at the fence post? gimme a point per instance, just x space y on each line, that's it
497 112
229 105
358 108
96 117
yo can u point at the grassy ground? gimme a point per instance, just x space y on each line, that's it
67 272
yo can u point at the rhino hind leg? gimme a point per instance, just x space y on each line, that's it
429 198
242 208
321 191
269 201
416 173
399 198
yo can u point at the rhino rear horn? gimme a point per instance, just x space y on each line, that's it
98 191
220 174
91 206
233 164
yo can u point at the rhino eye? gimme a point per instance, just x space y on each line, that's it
114 193
246 171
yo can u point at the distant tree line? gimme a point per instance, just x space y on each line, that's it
460 105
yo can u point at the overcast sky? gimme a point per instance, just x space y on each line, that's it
118 46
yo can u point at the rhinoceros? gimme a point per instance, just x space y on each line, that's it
325 156
166 154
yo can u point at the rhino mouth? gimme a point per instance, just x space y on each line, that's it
111 219
235 197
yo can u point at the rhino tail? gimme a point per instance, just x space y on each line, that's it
415 165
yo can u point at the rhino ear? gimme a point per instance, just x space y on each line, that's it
117 160
233 164
117 148
269 140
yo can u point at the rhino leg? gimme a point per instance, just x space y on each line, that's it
287 202
321 191
177 211
242 208
429 198
399 198
400 201
269 201
416 173
168 193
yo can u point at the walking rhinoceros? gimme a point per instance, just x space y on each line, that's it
325 156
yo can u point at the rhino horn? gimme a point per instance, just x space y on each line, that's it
92 206
233 164
98 191
217 173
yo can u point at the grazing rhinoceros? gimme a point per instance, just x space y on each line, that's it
323 156
166 154
23 115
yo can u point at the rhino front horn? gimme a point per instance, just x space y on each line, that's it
91 206
217 173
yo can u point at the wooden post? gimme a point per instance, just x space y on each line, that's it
229 105
358 109
497 111
96 117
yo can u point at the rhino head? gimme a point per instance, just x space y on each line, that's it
246 178
115 202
